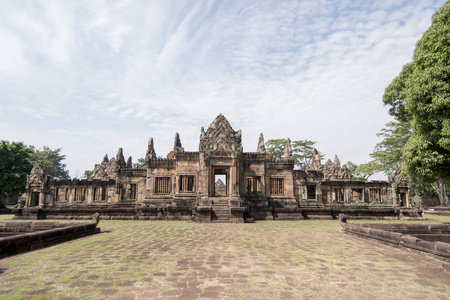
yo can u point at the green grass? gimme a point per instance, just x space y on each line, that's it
6 217
265 260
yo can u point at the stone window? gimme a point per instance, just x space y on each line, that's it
187 183
254 183
375 195
162 185
80 194
311 192
357 195
277 186
61 194
99 194
338 195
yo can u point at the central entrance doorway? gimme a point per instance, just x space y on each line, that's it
220 181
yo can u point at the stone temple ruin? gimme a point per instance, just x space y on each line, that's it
218 183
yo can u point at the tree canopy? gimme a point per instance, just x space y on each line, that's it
388 155
15 165
419 100
17 160
302 151
427 152
140 163
363 171
50 161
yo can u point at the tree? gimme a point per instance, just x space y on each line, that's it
363 171
15 165
87 174
140 163
420 96
50 161
388 155
302 151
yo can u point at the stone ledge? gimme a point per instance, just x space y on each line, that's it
405 239
56 232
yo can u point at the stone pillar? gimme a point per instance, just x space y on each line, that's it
394 195
346 193
90 194
71 195
41 199
408 199
319 197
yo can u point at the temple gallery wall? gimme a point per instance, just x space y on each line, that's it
217 183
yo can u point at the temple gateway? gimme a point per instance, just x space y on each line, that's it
217 183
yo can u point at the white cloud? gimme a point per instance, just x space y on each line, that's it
92 76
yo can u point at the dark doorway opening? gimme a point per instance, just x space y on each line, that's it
34 199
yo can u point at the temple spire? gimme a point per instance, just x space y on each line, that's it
129 162
120 159
177 144
288 150
316 163
261 145
337 163
150 150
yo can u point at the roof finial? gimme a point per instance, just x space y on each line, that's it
288 149
150 150
261 145
177 144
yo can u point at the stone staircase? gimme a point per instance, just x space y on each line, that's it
220 210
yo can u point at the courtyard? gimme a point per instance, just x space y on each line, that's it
185 260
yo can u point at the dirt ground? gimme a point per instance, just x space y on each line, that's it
183 260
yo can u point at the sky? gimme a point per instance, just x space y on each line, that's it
92 76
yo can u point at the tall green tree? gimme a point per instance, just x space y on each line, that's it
363 171
302 151
388 154
15 165
140 163
50 161
87 174
420 96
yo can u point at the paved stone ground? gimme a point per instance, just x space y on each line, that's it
181 260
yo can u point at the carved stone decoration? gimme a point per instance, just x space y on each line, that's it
288 150
120 159
129 162
337 162
398 178
346 173
105 158
331 170
261 145
37 177
315 163
220 139
177 148
150 150
99 171
202 132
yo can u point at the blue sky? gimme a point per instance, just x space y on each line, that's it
93 76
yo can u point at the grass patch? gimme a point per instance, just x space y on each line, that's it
286 259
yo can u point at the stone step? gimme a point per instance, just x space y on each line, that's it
221 209
222 215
